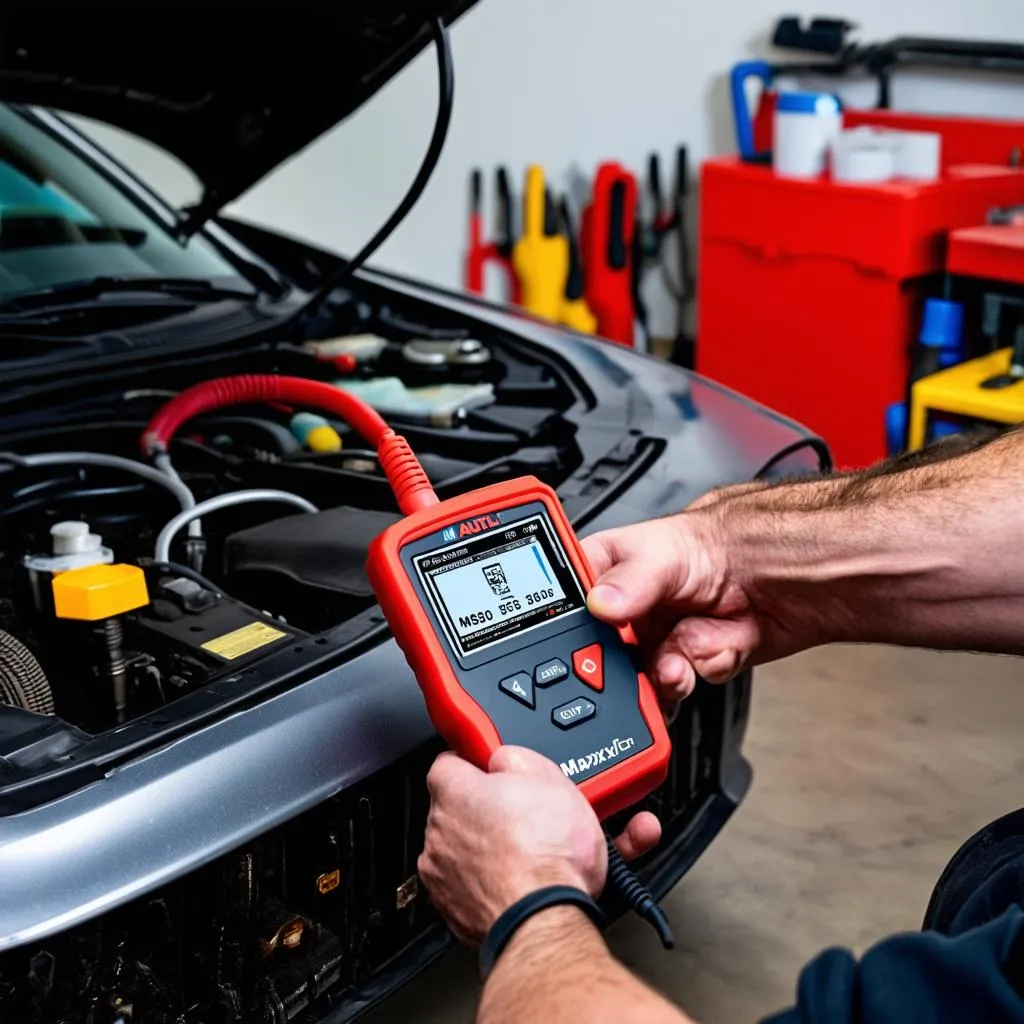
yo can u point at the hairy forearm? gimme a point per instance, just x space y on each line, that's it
932 554
557 969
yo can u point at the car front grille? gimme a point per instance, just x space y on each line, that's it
311 921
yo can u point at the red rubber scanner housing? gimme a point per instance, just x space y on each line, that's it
455 714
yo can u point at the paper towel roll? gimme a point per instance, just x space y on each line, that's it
918 155
862 158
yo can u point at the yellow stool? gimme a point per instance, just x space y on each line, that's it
958 390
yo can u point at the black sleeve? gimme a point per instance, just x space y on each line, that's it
975 976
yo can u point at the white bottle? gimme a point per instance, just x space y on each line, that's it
806 124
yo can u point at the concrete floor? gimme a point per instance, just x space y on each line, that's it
871 766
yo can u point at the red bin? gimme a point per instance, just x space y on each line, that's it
811 291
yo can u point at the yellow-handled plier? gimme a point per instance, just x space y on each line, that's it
541 255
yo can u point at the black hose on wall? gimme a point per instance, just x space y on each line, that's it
22 681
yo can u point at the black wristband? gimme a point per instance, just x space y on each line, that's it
520 912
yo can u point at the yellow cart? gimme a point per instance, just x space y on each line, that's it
959 390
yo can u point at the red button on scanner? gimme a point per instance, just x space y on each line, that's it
588 664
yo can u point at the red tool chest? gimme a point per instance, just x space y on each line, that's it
989 253
811 291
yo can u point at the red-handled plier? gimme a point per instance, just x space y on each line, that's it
498 252
606 245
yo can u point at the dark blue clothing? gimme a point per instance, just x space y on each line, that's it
966 967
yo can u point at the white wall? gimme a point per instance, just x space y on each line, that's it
563 81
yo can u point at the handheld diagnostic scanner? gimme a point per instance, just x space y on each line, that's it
486 595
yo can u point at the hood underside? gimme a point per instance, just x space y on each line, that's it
231 90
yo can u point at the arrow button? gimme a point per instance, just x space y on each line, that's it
520 688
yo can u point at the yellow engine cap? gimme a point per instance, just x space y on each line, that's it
323 439
99 591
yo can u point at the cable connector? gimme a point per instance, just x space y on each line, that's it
342 363
409 481
636 896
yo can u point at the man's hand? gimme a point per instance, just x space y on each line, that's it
670 578
696 608
494 837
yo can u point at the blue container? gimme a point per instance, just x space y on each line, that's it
896 427
943 328
940 343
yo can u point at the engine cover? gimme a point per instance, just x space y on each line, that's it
325 551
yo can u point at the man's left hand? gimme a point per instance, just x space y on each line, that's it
494 837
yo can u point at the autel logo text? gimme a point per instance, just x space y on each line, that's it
471 527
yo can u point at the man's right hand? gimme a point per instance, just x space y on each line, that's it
695 607
670 579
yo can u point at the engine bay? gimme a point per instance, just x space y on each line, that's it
118 598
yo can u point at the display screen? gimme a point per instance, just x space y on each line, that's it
507 582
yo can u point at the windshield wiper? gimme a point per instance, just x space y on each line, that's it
195 289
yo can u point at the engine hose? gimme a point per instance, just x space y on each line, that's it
22 680
405 474
164 465
140 469
170 531
635 895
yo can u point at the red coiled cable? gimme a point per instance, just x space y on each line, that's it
405 474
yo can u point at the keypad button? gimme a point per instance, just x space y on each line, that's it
551 672
575 712
588 664
520 688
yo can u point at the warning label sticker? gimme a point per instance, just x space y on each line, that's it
243 641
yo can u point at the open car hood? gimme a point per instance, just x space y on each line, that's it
232 91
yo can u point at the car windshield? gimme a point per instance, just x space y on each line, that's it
62 222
